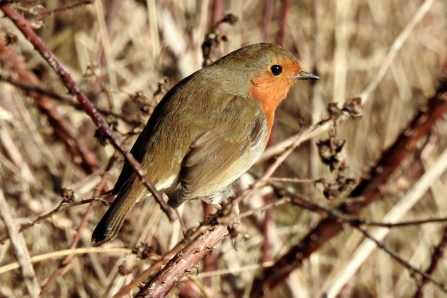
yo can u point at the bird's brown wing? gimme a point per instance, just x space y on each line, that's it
237 126
138 150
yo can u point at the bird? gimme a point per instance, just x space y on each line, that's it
207 130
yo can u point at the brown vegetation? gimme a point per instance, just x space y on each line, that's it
302 233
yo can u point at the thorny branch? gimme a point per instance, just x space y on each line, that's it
182 263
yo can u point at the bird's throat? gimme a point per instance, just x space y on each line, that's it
269 95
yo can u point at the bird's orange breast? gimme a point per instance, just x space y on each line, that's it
271 90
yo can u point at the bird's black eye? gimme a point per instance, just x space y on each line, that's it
276 70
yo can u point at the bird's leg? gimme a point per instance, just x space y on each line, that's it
182 224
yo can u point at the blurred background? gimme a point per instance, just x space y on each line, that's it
125 55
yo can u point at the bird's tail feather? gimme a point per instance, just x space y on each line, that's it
111 222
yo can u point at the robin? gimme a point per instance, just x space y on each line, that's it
207 130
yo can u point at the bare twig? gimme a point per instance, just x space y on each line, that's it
403 223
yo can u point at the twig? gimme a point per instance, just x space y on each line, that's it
293 180
437 255
51 13
24 26
20 250
62 207
67 252
402 224
325 211
265 207
303 136
413 271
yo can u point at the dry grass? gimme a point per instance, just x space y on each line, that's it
130 47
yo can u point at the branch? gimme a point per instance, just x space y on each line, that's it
182 263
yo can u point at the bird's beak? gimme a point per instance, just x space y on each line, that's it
306 76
